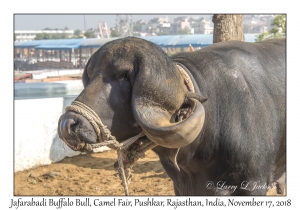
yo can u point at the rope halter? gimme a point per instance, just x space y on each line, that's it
104 134
101 130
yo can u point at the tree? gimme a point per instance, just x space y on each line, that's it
115 33
138 26
46 36
64 35
194 20
42 36
57 36
89 34
186 30
278 30
228 27
77 32
280 23
39 37
153 21
179 19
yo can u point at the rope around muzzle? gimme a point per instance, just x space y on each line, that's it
105 138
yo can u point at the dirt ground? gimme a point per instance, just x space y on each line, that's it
94 174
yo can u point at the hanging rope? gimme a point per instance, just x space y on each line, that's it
104 135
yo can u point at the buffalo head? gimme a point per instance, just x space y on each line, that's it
133 86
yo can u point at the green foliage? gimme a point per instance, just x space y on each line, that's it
57 36
163 33
262 36
278 30
46 36
138 26
115 33
152 21
280 23
43 36
186 30
89 34
77 32
52 35
39 37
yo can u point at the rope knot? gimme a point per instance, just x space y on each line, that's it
127 154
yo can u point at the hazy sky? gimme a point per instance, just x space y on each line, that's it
76 21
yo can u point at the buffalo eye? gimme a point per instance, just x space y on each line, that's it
122 76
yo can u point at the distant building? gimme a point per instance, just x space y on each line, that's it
30 35
163 20
164 28
141 21
102 31
259 27
124 25
201 26
160 27
257 23
179 23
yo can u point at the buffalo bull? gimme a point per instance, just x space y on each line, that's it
231 135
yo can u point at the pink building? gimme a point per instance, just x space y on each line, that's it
180 23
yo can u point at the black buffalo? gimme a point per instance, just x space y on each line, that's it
233 142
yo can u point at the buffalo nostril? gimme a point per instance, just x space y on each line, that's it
69 125
74 126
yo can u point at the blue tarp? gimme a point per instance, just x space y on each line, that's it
160 40
95 43
168 41
57 47
60 44
197 40
30 44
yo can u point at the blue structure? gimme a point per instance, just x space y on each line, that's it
167 41
72 53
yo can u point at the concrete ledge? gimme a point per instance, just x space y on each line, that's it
53 89
41 74
36 141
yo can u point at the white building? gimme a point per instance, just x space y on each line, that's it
202 26
30 35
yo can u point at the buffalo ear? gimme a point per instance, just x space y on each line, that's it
85 76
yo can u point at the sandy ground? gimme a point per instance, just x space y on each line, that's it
94 174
